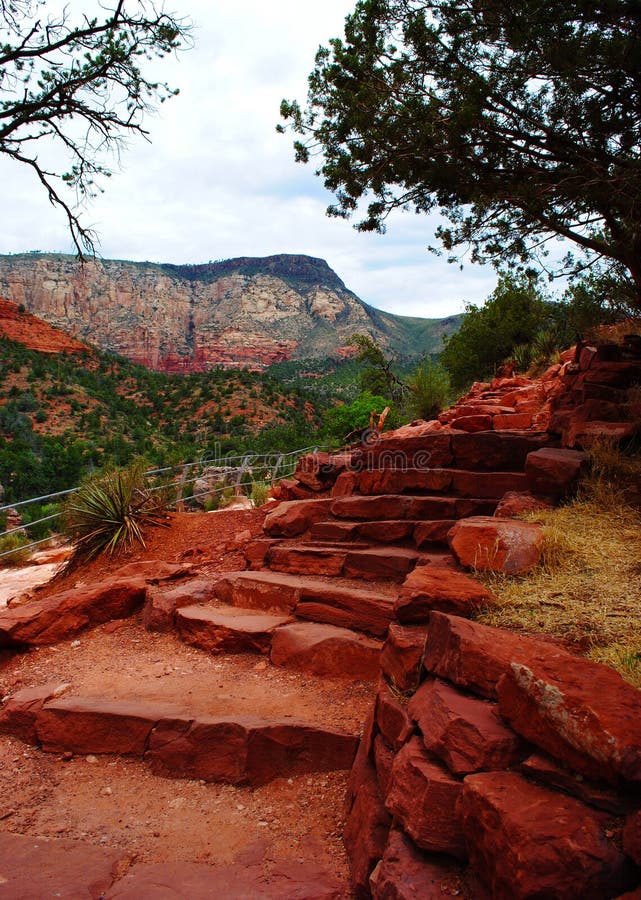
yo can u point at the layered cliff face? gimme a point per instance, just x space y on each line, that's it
242 312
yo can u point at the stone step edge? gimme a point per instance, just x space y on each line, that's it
228 749
407 529
445 482
313 657
367 609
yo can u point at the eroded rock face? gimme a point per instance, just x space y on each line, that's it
241 312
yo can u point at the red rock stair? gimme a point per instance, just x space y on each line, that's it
346 561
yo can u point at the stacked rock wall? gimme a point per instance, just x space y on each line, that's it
495 765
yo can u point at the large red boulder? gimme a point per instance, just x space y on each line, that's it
60 616
489 544
583 714
475 656
319 470
422 797
553 471
527 842
402 655
466 733
295 516
515 503
434 587
326 650
406 873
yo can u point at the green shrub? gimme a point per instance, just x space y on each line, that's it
109 512
15 542
430 390
260 493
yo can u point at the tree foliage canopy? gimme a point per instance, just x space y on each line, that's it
519 121
78 83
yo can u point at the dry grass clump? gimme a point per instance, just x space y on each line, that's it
587 589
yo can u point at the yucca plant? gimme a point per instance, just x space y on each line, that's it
107 513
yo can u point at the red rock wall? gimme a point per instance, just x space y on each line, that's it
512 771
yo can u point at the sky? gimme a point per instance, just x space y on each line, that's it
217 181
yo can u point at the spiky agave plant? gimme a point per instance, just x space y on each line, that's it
107 513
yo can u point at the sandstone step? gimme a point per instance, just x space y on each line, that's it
461 482
385 531
228 628
234 749
344 602
326 650
404 506
355 561
501 451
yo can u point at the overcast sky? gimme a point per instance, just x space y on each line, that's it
217 181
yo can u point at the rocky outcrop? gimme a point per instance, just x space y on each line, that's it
236 313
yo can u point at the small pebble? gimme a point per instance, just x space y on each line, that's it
91 758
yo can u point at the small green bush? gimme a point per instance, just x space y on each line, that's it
430 390
13 542
260 493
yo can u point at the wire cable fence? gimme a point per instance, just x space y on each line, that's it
193 486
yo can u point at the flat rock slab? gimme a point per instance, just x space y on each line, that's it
499 451
326 650
158 611
33 868
86 725
490 544
526 842
260 590
367 610
434 587
405 506
306 559
231 749
228 628
287 880
64 615
246 750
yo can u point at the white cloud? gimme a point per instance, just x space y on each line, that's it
217 181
